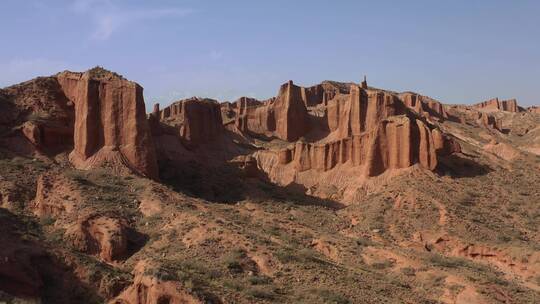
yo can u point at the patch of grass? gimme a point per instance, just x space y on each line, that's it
383 265
260 280
408 271
234 285
261 293
47 220
305 255
233 261
363 242
323 296
447 262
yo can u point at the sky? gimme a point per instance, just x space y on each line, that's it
454 51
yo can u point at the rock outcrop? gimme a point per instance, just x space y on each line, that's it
104 236
323 92
397 142
424 106
372 129
149 288
197 121
284 117
501 105
488 121
110 122
534 109
291 115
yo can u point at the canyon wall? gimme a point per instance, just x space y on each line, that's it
196 121
501 105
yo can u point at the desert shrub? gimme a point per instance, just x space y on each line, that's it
261 293
46 221
408 271
260 280
233 261
447 262
233 284
383 265
364 242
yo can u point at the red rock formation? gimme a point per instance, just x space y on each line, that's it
534 109
155 111
105 236
228 112
444 145
148 288
360 111
197 121
110 122
365 128
396 142
290 113
424 106
322 93
489 121
249 117
285 117
501 105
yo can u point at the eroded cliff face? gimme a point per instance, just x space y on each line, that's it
424 106
396 142
285 117
371 129
196 121
110 123
501 105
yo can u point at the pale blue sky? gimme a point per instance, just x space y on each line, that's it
456 51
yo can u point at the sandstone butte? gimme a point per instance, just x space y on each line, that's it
110 122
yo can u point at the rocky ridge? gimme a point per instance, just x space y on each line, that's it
325 181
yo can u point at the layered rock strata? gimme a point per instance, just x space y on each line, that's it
501 105
110 122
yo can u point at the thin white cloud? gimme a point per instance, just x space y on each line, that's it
108 17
